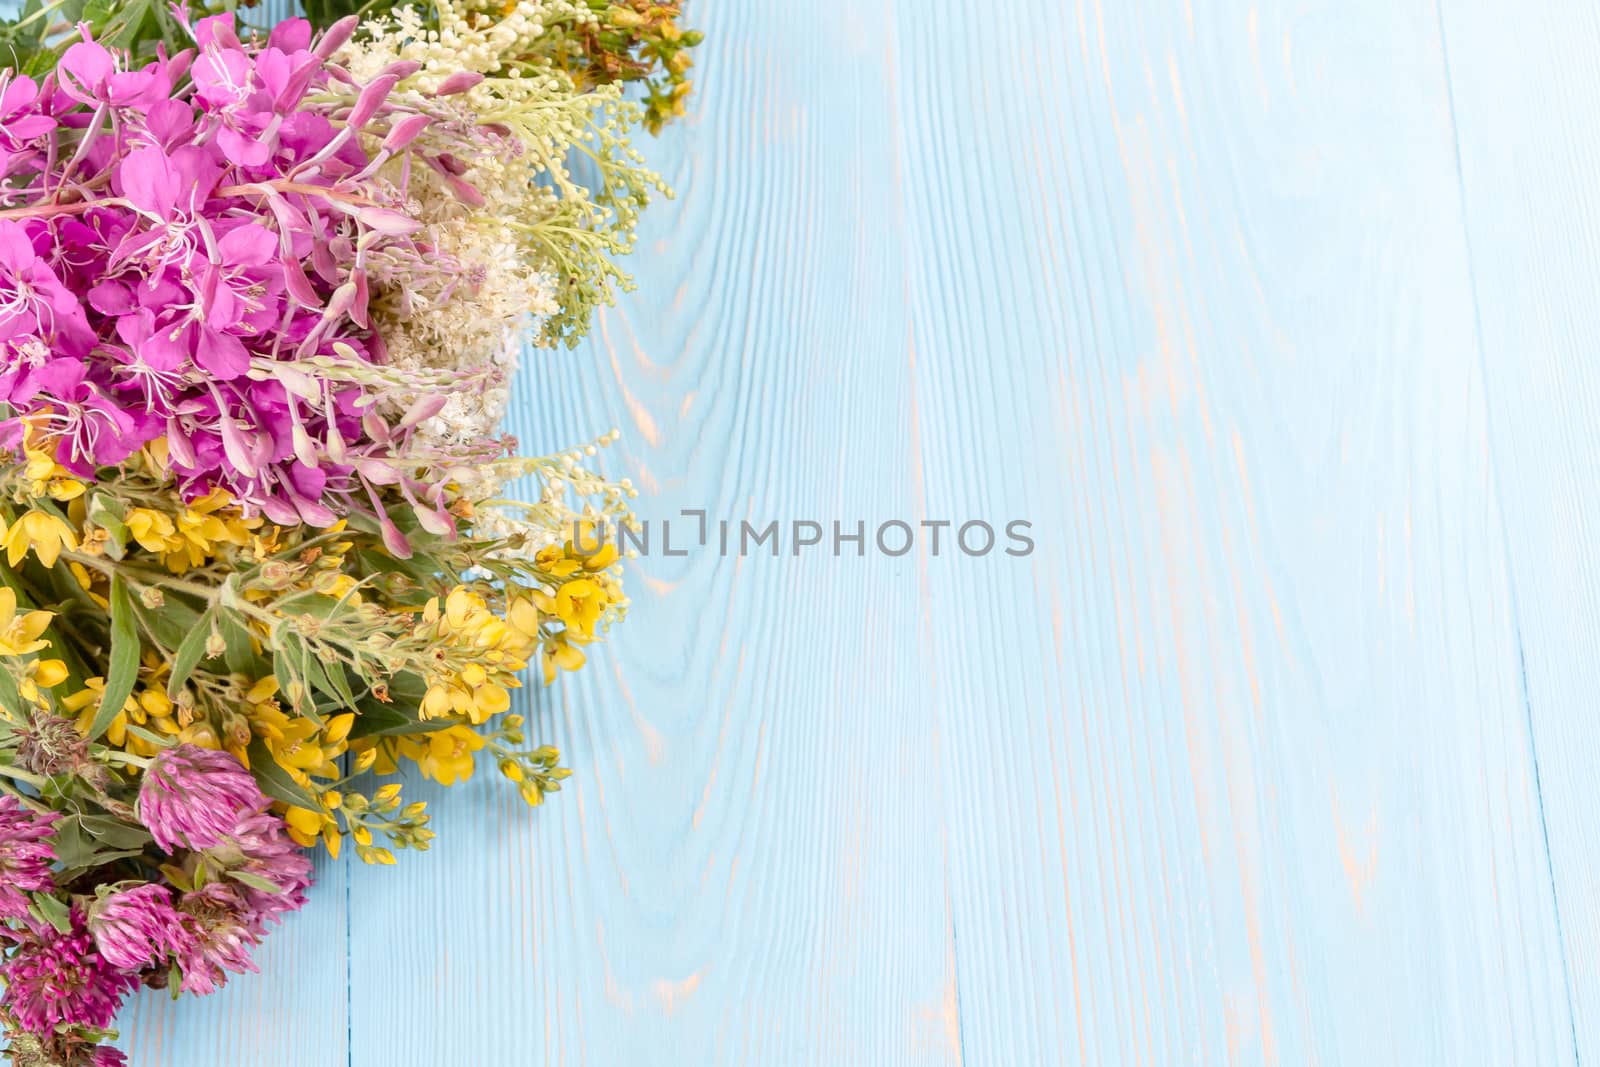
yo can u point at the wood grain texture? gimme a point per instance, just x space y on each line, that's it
1526 93
1236 768
1256 783
749 865
1269 319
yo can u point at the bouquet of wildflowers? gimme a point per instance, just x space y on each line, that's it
264 545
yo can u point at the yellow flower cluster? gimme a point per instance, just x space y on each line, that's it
40 532
445 756
20 634
272 642
583 591
42 476
476 654
300 745
146 714
194 533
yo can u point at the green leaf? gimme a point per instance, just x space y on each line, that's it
275 781
171 624
189 655
97 12
241 655
291 691
69 594
158 740
391 720
12 771
124 671
324 676
408 688
101 858
106 511
255 881
113 832
9 697
84 842
340 683
53 911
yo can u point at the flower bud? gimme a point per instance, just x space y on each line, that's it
370 100
401 69
339 33
459 82
405 131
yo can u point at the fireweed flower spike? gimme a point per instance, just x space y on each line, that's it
209 245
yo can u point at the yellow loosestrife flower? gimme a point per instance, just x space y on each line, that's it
20 634
446 756
479 654
46 477
44 533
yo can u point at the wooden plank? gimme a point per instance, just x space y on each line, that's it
748 866
1245 768
1237 765
1525 94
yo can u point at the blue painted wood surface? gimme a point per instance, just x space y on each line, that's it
1274 321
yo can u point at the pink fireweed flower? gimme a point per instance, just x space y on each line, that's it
231 225
138 927
19 110
41 320
89 73
194 797
25 855
60 979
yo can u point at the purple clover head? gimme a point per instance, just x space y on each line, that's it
53 979
68 1048
217 919
26 855
195 797
267 851
138 927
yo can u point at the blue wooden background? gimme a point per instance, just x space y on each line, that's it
1277 321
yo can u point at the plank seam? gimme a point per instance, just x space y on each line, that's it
349 984
955 979
1505 532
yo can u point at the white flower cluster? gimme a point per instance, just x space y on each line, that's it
463 37
526 528
488 178
472 324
